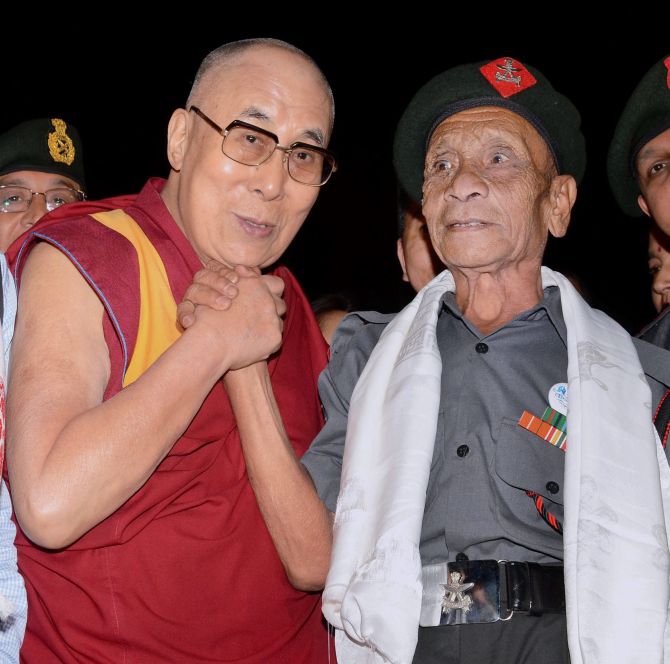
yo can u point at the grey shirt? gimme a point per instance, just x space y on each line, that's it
483 461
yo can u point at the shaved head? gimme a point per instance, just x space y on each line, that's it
230 53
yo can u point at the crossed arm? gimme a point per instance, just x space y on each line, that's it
74 459
300 524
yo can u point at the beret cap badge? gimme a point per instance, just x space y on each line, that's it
61 147
507 76
503 82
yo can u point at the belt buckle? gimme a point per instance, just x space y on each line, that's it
472 594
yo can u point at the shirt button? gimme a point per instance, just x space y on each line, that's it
481 347
552 487
461 557
462 450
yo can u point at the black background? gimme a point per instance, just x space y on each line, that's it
118 83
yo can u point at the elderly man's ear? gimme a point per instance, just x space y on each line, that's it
177 138
562 196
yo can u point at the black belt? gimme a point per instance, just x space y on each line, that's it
534 588
483 591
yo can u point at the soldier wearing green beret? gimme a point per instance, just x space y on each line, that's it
447 501
638 166
41 168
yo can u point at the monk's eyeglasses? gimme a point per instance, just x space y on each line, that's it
250 145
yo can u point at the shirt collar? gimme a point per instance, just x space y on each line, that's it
550 303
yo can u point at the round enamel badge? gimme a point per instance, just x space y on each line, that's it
558 398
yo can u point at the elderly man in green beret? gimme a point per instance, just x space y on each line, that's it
41 168
638 166
500 460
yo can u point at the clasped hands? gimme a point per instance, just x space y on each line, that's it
241 309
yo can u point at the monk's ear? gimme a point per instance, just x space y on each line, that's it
562 196
643 205
178 135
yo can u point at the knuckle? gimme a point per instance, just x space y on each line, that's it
203 273
231 276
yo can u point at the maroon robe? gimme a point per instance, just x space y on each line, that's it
185 570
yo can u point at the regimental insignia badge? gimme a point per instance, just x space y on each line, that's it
666 62
455 594
61 147
507 76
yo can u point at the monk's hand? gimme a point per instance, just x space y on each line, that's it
250 329
214 286
276 287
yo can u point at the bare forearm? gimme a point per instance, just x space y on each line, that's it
73 459
299 523
105 454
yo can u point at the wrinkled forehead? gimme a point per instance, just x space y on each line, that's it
473 126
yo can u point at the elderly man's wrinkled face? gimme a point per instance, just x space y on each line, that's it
653 169
231 212
485 189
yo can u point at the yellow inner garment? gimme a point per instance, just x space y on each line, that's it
158 328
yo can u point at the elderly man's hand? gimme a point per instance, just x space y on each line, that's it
214 286
250 328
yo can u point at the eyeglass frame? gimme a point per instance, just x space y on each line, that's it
39 193
286 150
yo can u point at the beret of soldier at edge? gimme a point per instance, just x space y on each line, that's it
47 145
645 116
503 82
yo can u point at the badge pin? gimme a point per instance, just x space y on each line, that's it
558 398
508 76
61 147
454 594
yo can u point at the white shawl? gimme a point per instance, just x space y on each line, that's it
617 493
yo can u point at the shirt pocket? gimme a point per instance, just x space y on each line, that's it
524 462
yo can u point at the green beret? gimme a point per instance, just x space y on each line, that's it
646 115
47 145
504 82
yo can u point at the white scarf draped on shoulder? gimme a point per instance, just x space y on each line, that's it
617 493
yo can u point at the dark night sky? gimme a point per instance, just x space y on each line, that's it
348 242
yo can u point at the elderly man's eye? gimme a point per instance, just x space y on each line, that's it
499 158
304 156
441 166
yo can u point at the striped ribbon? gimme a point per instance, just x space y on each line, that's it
551 427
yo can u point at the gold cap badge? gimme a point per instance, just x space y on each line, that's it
61 147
